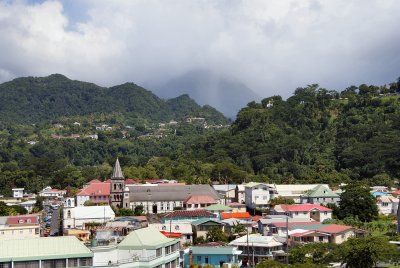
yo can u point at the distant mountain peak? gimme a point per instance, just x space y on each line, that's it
206 87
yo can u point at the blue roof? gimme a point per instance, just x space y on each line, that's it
377 194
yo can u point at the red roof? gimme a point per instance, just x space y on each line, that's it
200 199
23 219
235 215
171 234
334 228
190 213
303 207
96 189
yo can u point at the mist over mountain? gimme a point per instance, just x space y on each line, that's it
206 87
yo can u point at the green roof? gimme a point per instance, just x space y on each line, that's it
320 191
201 221
43 248
213 250
146 238
218 207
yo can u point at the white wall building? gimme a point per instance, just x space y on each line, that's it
301 211
387 205
145 247
295 191
76 217
258 195
18 192
22 227
52 193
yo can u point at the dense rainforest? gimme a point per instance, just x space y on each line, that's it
316 135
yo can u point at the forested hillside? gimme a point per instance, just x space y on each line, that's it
37 99
317 135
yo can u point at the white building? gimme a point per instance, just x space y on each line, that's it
145 247
387 205
260 246
301 211
77 217
181 230
28 205
295 191
18 192
52 193
258 195
22 227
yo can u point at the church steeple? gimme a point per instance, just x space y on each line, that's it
117 186
117 172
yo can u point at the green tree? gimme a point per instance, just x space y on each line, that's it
281 200
366 252
139 210
215 234
357 201
124 212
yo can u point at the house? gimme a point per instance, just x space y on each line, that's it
231 223
135 222
28 205
95 192
276 224
18 192
181 230
145 247
295 191
203 226
228 191
237 207
323 233
313 211
258 195
217 209
167 197
62 251
261 247
19 227
77 217
215 256
387 205
187 216
198 201
320 195
48 192
240 194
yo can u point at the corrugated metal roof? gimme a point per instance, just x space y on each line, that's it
146 238
93 212
42 248
218 207
235 215
170 192
321 191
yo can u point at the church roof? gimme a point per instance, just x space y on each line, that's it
117 172
171 192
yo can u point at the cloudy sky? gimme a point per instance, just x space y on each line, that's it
271 46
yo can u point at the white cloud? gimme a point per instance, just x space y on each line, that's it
272 46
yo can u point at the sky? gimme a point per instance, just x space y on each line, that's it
271 46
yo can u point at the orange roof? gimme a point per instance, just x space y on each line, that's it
171 234
235 215
200 199
96 189
256 218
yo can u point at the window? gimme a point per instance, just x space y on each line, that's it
188 237
320 238
176 227
28 220
199 259
73 262
85 262
325 213
158 252
384 204
164 228
69 214
206 259
296 213
167 250
20 221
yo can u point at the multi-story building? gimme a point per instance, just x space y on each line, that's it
320 195
145 247
258 195
387 205
22 227
52 192
62 251
313 211
95 192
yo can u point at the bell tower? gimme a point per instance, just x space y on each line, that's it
117 186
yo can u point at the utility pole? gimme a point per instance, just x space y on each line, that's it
248 249
287 239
